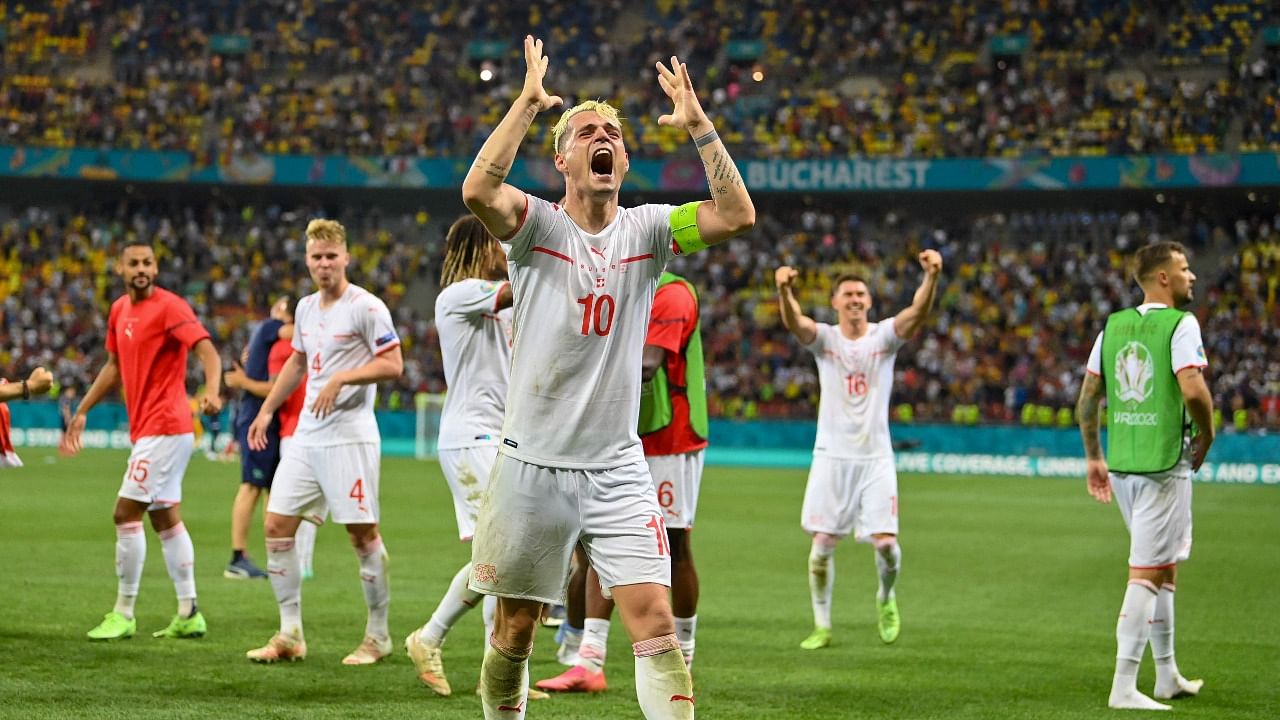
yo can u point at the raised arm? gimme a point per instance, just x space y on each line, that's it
730 211
801 326
485 192
38 383
910 320
1199 401
106 381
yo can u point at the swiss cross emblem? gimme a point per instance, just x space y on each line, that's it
600 282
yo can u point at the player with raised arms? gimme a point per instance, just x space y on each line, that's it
344 342
853 483
571 466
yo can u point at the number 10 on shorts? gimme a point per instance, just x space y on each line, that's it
659 526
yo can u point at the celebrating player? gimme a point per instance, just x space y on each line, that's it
571 464
344 342
853 484
673 430
38 383
1149 365
473 319
149 331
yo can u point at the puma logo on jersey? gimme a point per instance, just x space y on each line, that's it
598 252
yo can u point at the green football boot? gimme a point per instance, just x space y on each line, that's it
889 622
180 627
819 638
114 626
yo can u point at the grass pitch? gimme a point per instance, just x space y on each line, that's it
1009 593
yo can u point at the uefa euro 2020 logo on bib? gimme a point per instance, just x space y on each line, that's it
1135 372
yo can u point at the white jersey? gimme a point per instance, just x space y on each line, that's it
475 342
582 306
857 379
1187 346
344 336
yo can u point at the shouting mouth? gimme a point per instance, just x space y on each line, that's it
602 164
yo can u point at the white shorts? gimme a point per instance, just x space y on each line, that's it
467 472
342 479
677 479
1157 510
156 466
858 497
532 517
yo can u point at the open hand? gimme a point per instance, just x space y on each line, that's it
686 111
535 70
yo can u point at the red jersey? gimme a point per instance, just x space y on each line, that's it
150 340
671 324
291 409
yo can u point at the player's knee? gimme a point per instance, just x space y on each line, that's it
278 526
362 535
885 544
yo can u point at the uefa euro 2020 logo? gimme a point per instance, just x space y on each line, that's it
1135 372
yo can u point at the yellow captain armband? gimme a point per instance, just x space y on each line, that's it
684 228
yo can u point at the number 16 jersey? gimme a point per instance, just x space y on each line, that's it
582 305
857 379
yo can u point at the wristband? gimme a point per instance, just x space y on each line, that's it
707 139
684 228
26 391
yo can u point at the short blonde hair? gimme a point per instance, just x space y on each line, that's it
327 231
601 108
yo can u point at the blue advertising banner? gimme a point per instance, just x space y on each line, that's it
678 175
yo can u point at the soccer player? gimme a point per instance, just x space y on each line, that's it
344 342
268 350
853 484
473 319
149 332
38 383
673 430
571 465
256 467
1148 363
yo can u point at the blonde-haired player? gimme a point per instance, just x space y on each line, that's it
853 484
571 467
344 342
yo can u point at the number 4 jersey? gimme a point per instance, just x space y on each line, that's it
582 304
857 379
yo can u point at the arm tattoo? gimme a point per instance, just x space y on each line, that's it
722 172
490 168
1087 412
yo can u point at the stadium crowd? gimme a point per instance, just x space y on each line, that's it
379 77
1023 296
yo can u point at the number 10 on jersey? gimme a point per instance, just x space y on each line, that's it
597 313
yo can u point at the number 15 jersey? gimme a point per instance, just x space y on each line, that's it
857 379
582 305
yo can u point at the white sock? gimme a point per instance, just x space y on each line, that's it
456 602
595 644
504 682
685 629
180 558
489 611
888 560
377 589
1133 629
131 553
822 578
1162 641
286 581
663 684
305 541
